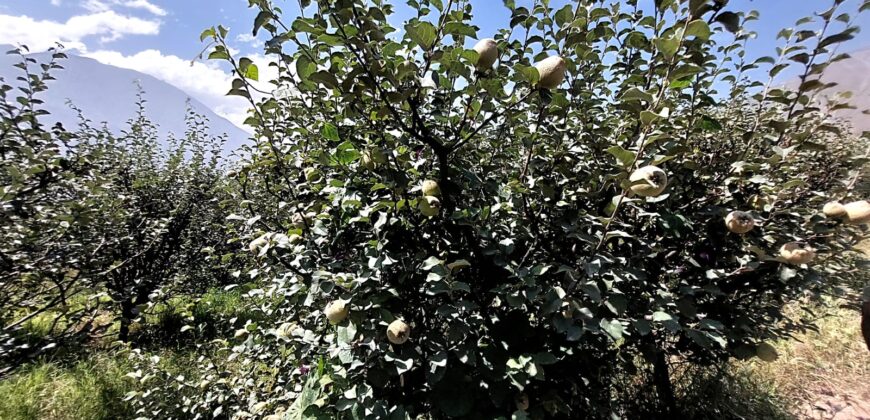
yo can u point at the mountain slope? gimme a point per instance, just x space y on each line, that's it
108 94
852 75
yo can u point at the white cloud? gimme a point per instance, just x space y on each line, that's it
145 5
40 35
96 6
248 39
205 81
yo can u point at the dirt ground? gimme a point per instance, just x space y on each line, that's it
839 391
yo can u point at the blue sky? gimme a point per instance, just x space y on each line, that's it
160 37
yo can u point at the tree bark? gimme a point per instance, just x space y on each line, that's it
125 321
662 382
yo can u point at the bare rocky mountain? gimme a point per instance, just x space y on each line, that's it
853 75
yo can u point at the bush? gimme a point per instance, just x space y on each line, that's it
534 273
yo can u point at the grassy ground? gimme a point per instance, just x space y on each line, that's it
819 375
91 389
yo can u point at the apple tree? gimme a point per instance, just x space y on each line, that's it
454 223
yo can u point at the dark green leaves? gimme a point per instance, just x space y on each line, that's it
730 20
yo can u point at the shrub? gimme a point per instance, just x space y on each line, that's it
536 273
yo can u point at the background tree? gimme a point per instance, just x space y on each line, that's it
94 223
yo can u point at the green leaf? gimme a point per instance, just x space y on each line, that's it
685 71
613 328
330 132
635 94
260 20
708 123
219 53
460 29
248 69
529 73
208 33
422 33
648 117
304 67
564 15
836 39
698 28
625 157
660 316
345 154
667 46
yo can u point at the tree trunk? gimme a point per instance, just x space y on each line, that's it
662 381
126 319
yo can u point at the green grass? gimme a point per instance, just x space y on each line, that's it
91 389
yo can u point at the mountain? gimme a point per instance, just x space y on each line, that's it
852 75
107 94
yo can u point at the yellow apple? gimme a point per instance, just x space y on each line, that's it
797 253
431 189
858 212
398 332
739 222
834 209
552 71
487 50
336 311
649 181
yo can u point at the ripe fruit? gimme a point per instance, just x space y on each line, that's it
766 352
258 243
834 209
648 181
398 332
487 50
336 311
552 71
739 222
313 175
858 212
430 206
522 402
431 189
796 253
